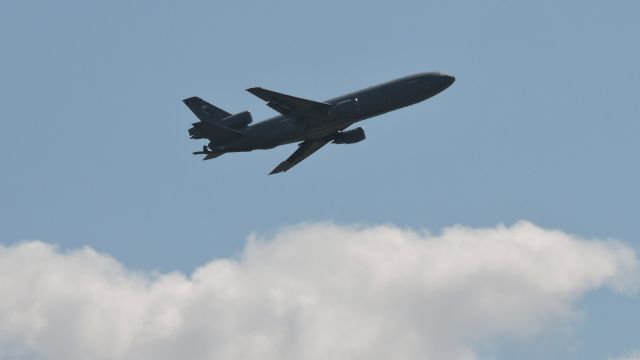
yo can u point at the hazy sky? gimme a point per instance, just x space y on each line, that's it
542 124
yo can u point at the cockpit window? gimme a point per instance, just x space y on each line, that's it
413 81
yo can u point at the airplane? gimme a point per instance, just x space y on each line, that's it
312 124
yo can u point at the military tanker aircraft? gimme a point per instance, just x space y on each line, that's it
312 124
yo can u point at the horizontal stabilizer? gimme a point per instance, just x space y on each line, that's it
286 104
203 152
209 154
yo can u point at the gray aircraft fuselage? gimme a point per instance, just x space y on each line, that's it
350 108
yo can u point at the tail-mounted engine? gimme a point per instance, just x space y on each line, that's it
238 120
225 128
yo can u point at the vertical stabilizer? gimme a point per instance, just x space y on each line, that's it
204 111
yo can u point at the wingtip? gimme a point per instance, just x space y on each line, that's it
279 169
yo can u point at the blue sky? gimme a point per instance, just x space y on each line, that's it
541 124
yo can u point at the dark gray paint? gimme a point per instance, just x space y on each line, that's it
312 123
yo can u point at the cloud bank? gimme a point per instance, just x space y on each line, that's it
634 355
314 291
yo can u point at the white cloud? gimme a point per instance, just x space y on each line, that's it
314 291
634 355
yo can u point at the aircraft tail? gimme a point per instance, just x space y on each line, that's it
204 111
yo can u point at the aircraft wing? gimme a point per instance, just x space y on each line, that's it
305 149
286 104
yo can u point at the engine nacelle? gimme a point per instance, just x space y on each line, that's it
350 136
238 120
196 131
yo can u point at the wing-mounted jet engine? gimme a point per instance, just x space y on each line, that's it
349 136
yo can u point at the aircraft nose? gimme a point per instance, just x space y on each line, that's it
448 80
